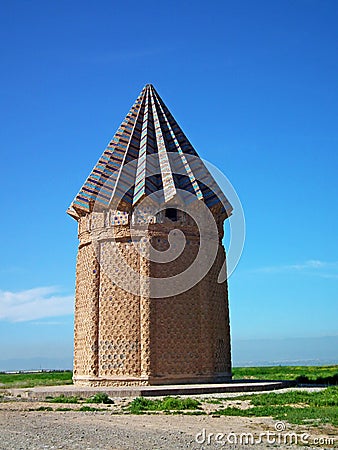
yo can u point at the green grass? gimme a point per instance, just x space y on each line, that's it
86 408
63 399
42 408
294 407
24 380
195 412
297 407
301 416
325 397
100 398
140 404
213 401
302 374
97 398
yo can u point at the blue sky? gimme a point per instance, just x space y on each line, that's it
254 87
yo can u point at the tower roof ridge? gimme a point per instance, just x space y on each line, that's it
162 160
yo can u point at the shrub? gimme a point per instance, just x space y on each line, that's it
100 397
141 404
63 399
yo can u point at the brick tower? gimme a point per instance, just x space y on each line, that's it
149 306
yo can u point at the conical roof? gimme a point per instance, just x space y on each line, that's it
148 154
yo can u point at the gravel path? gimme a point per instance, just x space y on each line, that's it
21 429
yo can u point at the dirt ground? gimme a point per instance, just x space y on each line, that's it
22 427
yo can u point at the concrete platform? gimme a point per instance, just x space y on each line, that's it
40 393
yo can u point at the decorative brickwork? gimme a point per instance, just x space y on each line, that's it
86 331
128 329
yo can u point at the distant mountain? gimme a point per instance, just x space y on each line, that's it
36 363
291 351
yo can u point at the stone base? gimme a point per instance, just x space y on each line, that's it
84 381
43 392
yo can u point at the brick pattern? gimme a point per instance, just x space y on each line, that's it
119 316
86 312
124 338
191 330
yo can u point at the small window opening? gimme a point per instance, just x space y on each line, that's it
171 213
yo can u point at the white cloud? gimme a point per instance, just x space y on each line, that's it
33 304
312 266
